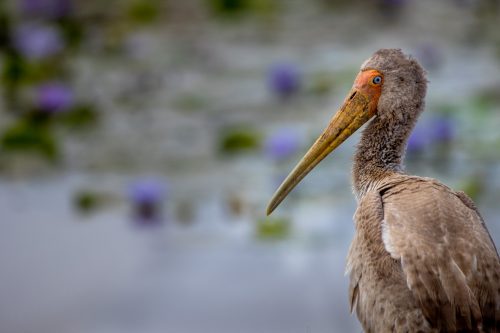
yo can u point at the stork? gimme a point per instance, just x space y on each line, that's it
422 259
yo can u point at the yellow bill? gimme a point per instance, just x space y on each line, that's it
359 106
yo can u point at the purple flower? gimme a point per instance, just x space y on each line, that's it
147 191
37 41
438 129
147 196
418 140
47 8
284 79
282 144
54 97
442 129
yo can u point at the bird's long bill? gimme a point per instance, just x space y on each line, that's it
355 111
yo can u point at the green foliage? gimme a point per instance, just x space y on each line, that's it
264 7
72 31
230 8
190 102
446 109
18 71
85 201
273 228
30 137
14 68
474 187
236 141
79 116
143 11
487 99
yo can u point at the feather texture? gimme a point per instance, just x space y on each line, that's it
423 251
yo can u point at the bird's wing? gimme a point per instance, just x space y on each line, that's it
446 253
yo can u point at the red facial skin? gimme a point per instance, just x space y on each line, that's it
364 84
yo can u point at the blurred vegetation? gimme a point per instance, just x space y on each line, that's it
237 8
80 116
30 137
272 228
239 140
143 12
186 56
37 52
190 102
86 201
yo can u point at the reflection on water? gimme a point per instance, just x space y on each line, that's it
101 273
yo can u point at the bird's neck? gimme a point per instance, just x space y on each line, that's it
380 152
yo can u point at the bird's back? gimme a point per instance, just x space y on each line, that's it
422 259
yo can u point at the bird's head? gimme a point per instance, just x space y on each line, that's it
389 85
403 83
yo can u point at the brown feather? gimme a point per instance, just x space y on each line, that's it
444 250
430 252
421 259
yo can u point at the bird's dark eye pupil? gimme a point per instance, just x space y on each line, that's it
377 79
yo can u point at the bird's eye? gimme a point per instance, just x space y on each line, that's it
377 79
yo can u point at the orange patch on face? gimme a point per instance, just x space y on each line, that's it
365 83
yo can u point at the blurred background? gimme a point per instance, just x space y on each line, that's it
141 140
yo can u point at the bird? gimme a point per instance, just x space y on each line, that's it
421 259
